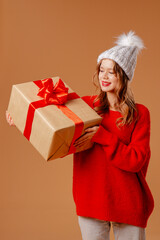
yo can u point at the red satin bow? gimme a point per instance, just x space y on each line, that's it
53 94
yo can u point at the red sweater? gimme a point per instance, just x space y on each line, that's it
109 178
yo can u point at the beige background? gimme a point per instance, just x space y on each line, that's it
44 38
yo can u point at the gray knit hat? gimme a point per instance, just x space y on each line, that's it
125 52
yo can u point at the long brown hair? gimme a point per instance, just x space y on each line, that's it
125 99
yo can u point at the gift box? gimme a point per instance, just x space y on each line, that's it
50 115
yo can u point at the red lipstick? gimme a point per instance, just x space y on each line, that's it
105 84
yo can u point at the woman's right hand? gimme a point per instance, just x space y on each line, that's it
9 119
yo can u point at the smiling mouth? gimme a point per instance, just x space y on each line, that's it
105 84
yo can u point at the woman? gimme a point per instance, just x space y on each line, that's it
109 184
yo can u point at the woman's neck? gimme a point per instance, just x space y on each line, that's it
112 98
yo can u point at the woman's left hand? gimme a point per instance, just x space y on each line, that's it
85 140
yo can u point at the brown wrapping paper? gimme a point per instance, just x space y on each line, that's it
52 131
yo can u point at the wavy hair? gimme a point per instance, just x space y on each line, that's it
125 99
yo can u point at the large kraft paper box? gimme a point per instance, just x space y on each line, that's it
52 131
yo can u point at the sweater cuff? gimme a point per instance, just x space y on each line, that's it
104 137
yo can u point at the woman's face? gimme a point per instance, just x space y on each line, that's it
108 79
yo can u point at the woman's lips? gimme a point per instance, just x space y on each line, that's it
105 84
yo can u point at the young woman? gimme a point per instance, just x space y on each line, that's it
109 179
109 184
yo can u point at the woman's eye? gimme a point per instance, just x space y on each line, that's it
111 72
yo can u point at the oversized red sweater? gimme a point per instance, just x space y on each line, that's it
109 179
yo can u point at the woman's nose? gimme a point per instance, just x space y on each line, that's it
105 75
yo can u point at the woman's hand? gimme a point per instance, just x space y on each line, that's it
9 119
85 140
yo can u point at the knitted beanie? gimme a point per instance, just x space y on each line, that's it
125 52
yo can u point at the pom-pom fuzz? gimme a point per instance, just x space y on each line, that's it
130 40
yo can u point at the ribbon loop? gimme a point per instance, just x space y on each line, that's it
53 94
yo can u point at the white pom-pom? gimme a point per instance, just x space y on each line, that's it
130 39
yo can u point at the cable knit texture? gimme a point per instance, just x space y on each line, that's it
109 180
125 52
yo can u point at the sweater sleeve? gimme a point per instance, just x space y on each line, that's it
129 157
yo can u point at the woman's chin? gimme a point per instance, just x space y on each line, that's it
107 89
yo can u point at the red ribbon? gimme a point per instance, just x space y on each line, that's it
53 94
57 95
